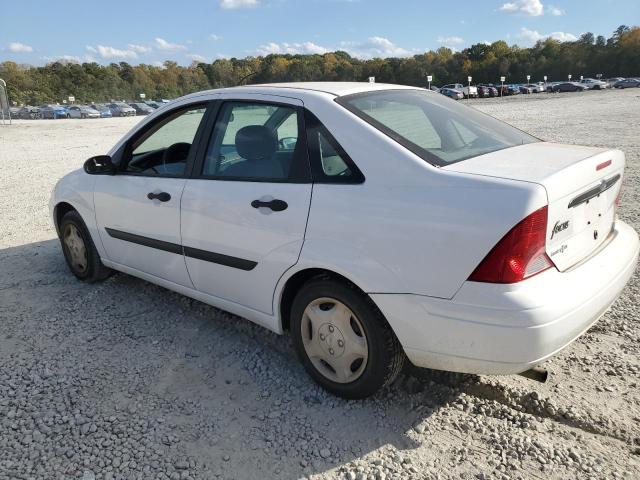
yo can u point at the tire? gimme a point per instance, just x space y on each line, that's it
79 251
349 331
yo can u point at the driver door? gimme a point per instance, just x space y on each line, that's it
138 209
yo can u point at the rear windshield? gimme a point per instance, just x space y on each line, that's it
437 129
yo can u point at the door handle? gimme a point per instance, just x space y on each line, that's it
162 196
275 205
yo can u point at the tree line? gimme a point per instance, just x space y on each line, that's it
618 55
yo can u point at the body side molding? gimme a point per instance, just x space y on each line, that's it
219 258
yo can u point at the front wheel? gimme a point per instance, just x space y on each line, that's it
79 251
343 340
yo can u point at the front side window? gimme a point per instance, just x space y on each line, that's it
164 148
256 142
433 127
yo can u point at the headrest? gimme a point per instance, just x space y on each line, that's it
256 142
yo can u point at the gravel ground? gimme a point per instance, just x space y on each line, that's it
126 380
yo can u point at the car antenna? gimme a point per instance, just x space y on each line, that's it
245 77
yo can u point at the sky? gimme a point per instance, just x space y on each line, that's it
150 31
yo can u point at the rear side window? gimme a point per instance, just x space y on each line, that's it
435 128
330 163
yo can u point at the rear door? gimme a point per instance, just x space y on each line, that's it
244 211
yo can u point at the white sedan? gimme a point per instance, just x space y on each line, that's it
375 223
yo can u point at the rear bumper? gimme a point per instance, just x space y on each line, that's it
504 329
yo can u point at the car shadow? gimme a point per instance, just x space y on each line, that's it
227 395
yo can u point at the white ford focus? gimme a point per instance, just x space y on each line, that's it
373 222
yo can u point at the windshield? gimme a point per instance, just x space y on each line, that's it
438 129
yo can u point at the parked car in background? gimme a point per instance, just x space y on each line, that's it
543 86
28 113
534 87
105 112
551 85
467 91
494 252
524 88
452 93
141 108
483 91
569 87
153 104
53 112
512 90
82 111
14 111
121 109
613 80
593 84
627 83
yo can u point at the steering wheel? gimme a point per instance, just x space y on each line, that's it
178 150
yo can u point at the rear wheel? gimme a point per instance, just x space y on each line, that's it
343 340
79 251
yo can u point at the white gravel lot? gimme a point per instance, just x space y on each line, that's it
126 380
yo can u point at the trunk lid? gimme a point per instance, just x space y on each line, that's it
582 184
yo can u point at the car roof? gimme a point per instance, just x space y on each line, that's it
336 89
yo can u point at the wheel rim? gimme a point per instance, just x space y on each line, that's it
334 340
76 247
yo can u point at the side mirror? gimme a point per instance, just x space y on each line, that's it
100 165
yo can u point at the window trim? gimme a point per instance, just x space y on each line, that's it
213 125
313 146
123 155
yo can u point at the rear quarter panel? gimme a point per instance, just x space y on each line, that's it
410 227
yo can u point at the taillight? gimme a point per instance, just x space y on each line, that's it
519 255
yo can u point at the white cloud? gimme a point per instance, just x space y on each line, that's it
197 58
531 8
555 11
231 4
111 52
450 42
215 37
17 47
139 48
290 48
162 44
532 36
63 59
375 47
563 36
